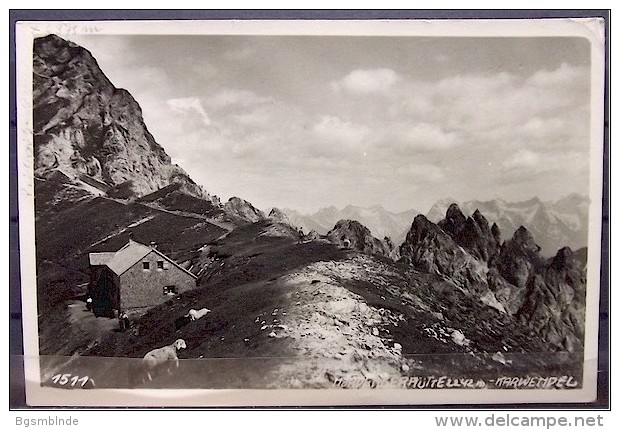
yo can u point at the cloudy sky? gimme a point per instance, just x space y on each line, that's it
306 122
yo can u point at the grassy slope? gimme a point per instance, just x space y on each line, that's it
172 199
238 291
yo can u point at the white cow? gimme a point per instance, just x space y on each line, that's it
194 314
162 355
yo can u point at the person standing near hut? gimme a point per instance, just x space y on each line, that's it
123 321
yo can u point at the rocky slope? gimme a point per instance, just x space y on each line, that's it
546 296
84 126
554 224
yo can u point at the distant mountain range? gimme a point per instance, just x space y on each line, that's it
378 220
553 224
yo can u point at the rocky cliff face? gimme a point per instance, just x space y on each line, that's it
519 258
546 297
84 125
352 234
554 306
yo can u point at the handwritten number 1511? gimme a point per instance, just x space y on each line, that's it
66 378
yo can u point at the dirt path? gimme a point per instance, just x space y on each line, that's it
335 330
83 328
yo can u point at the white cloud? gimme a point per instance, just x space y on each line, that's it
564 75
522 159
189 105
334 129
421 172
368 81
537 127
232 97
255 118
431 137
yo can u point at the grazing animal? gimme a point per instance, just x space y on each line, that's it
194 315
161 356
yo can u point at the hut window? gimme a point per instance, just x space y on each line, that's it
170 290
145 265
160 264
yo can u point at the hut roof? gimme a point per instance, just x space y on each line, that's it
100 258
123 259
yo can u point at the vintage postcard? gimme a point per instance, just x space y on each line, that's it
222 213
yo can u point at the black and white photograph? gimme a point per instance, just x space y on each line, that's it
310 213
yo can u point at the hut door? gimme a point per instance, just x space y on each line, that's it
105 295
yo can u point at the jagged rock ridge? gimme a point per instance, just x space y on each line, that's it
545 295
554 224
86 127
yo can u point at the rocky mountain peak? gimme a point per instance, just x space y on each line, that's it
422 234
428 248
496 232
480 219
278 216
84 126
553 224
523 239
454 215
564 258
352 234
242 210
519 258
472 233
